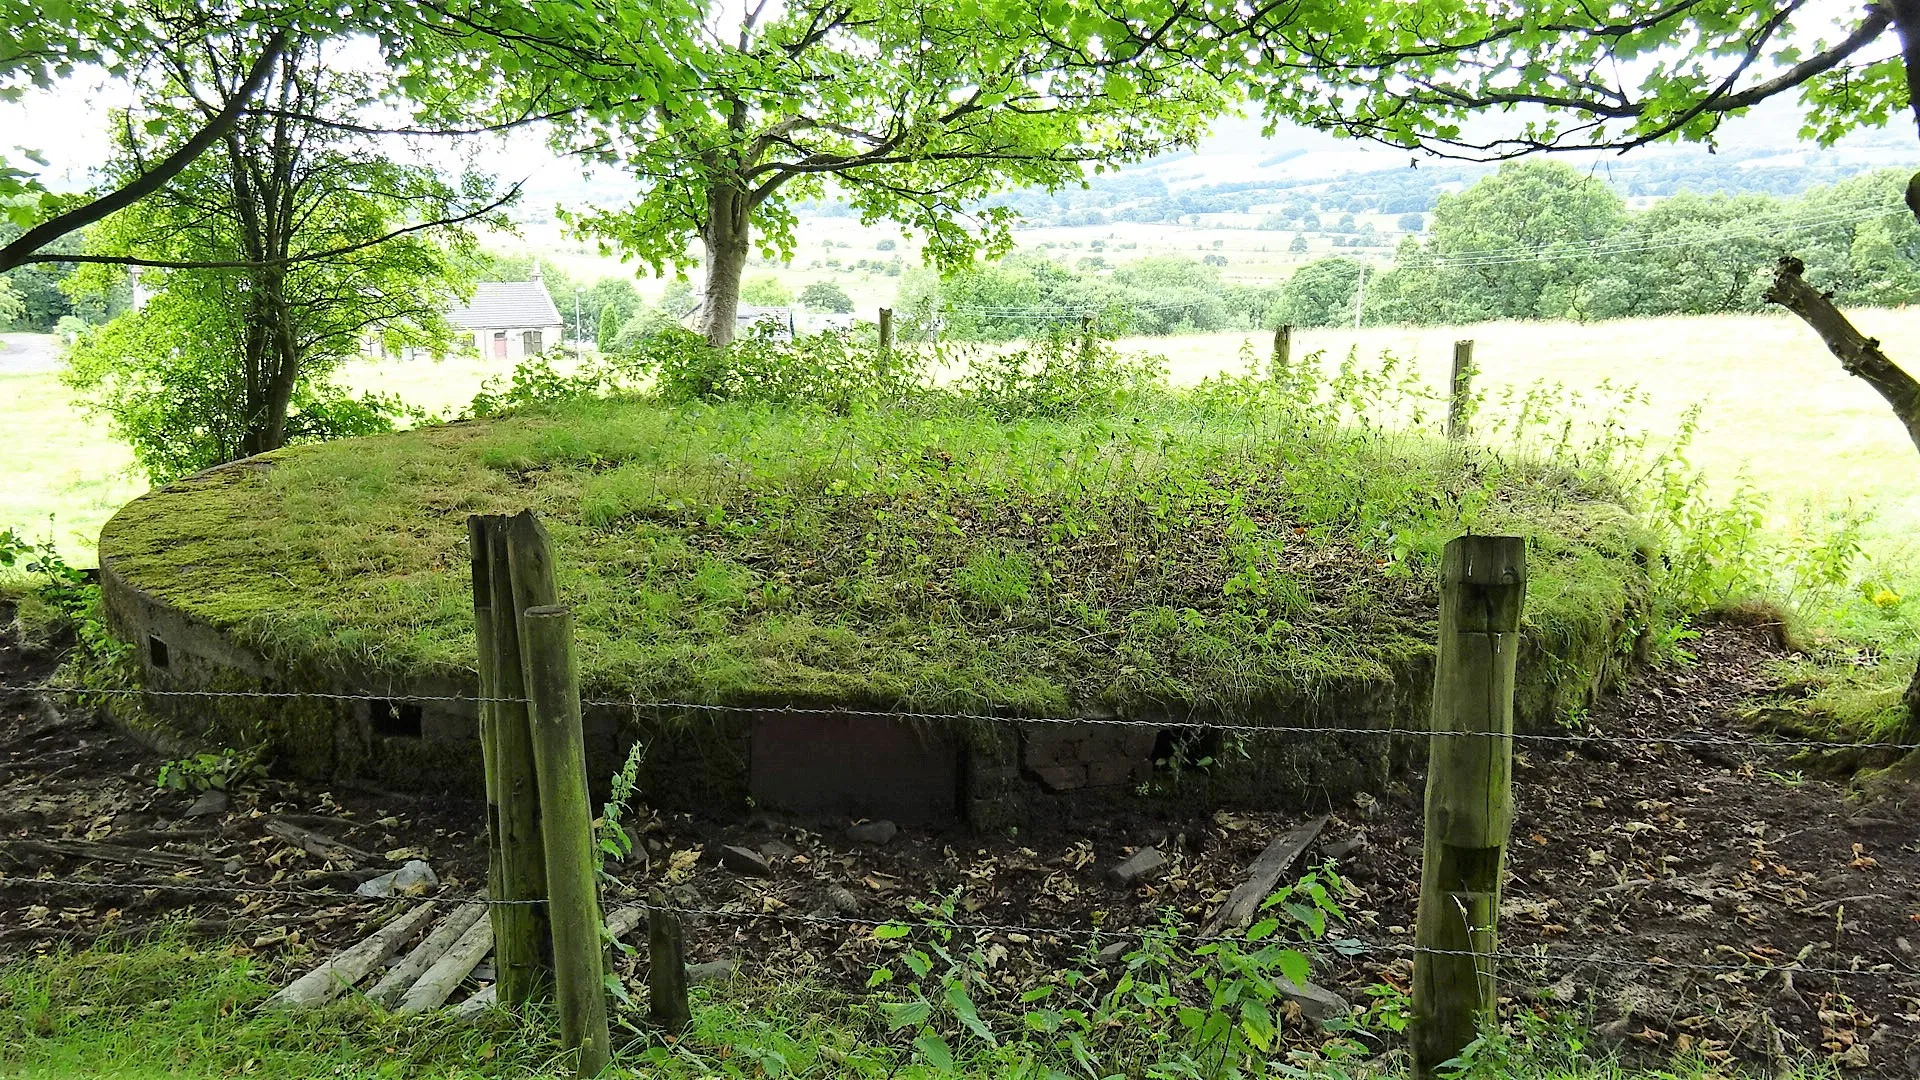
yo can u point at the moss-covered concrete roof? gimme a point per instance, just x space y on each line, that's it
1183 553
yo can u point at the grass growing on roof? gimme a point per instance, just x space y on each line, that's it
1210 548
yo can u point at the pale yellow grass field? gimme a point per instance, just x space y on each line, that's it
1777 409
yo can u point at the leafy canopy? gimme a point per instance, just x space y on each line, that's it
1561 74
487 63
915 110
283 252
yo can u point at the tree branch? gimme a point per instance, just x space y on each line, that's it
305 256
21 250
1859 354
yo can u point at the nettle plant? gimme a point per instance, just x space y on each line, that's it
1174 1007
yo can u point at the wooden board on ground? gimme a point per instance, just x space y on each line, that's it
1263 877
326 982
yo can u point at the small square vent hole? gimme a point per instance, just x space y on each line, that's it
395 719
157 653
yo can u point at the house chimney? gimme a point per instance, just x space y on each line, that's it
536 279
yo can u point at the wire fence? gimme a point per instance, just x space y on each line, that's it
1333 948
1755 741
1328 949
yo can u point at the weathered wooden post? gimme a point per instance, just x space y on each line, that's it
886 331
1282 347
666 966
566 822
521 939
479 550
1483 582
1460 398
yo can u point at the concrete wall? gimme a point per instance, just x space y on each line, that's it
405 732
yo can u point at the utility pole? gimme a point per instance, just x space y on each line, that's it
580 341
1360 297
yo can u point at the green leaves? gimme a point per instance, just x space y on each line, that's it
1410 74
935 1050
995 95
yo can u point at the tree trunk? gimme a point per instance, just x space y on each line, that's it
273 365
727 237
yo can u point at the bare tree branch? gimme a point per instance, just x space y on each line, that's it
305 256
1859 354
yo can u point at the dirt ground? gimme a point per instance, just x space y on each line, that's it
1629 862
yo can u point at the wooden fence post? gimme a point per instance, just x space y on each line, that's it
480 537
1282 347
1469 795
520 934
1460 397
886 331
566 821
666 966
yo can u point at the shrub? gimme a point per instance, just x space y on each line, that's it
826 296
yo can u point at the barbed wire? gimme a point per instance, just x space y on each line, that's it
201 888
1341 948
1749 741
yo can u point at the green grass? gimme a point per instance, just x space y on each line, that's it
1213 551
65 474
160 1008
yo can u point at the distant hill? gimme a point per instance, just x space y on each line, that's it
1284 177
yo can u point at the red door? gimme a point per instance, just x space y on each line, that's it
500 344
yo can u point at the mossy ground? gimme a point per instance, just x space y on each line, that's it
1208 549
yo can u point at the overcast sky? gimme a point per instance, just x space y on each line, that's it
68 124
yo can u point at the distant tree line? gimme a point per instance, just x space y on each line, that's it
1134 196
1541 240
1029 294
33 300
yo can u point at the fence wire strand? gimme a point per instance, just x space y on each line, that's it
1681 739
1332 948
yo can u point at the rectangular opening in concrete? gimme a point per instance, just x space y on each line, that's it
157 653
854 766
394 719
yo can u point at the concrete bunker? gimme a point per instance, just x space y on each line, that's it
213 589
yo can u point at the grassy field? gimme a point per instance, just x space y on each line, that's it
1777 411
162 1009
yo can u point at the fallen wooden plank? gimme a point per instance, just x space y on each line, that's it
128 856
1263 877
313 843
401 976
438 983
624 921
481 1000
324 983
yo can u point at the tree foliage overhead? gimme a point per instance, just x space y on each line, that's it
484 65
916 111
1568 73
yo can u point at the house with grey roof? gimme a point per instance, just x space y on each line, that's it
508 320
